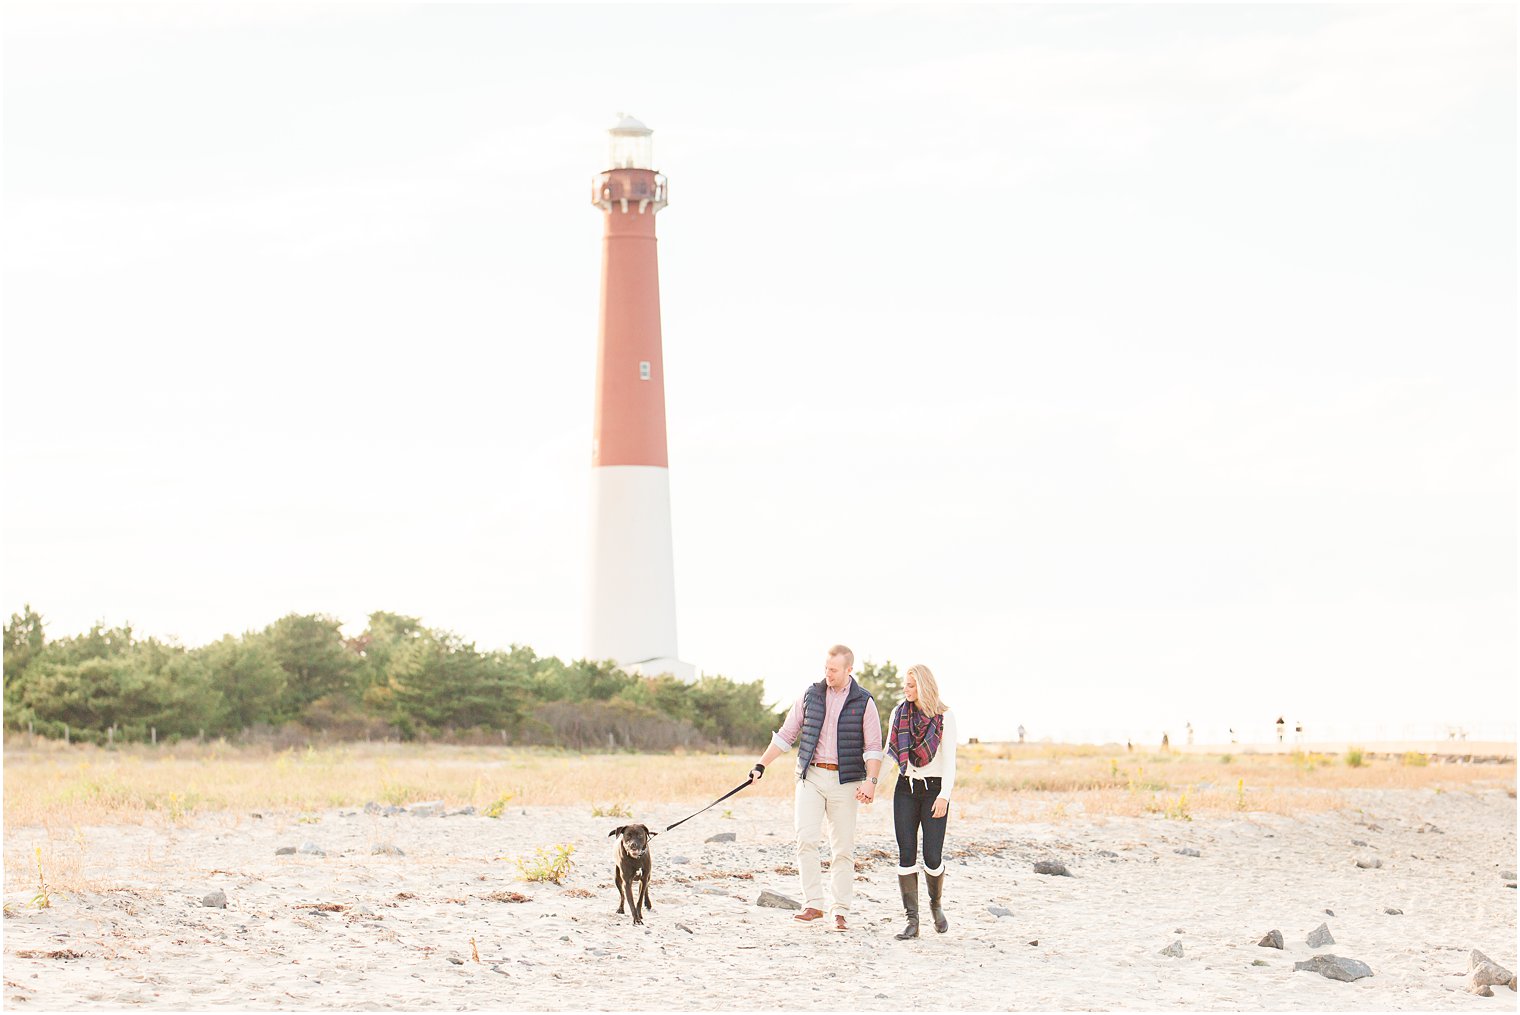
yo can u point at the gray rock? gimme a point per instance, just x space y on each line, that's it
1509 884
1335 967
1110 854
215 900
372 808
362 911
679 859
311 849
465 810
1273 939
999 911
1329 912
1055 868
1393 912
1320 937
723 837
1359 842
682 926
386 849
1033 944
1506 875
712 890
1371 863
1484 973
457 961
285 851
775 900
1260 962
427 809
1174 950
1187 851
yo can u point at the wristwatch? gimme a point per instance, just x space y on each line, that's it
873 779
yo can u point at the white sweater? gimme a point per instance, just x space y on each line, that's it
941 766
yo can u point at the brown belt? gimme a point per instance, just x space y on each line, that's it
824 764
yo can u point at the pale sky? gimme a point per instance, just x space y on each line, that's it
1128 366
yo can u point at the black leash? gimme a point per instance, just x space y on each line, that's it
710 806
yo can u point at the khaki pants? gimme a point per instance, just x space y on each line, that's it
821 796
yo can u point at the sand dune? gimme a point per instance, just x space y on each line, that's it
394 923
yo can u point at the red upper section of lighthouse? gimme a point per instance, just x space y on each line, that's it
629 425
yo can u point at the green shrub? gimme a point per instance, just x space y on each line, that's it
552 864
1414 759
1355 757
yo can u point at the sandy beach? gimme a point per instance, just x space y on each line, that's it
356 928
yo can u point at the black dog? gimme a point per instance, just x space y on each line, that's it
633 866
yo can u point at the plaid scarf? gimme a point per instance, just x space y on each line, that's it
915 736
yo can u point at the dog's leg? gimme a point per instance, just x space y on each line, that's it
617 874
644 884
633 901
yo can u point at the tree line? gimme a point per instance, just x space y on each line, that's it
300 676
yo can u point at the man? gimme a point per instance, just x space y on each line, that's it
837 731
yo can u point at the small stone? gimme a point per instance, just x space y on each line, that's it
1033 944
1368 862
775 900
362 911
386 849
1260 962
428 809
1506 875
1320 937
1110 854
1273 939
1187 851
712 890
999 911
683 927
466 810
1174 950
285 851
311 849
1335 967
215 900
1488 973
1359 842
456 961
723 837
1055 868
679 859
1329 912
1393 912
372 808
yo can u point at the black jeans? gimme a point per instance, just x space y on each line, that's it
912 802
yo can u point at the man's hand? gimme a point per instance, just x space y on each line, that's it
865 793
755 773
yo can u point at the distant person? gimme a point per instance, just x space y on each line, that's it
1129 747
921 739
1298 733
1233 738
1280 727
835 727
1021 733
1166 742
1190 734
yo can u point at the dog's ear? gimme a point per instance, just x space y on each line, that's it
616 831
653 834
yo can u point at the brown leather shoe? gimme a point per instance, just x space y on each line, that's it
809 915
839 923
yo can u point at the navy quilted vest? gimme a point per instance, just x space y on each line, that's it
850 736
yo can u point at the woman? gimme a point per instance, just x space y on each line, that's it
921 739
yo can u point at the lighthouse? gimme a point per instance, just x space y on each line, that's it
631 609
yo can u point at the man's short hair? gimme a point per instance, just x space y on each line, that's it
843 650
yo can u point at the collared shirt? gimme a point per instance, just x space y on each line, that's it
828 737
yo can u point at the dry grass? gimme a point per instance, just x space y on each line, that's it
68 789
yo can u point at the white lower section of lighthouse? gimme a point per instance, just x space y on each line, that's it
632 612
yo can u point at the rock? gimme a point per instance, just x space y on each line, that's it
1359 842
1506 875
311 849
1370 863
1393 912
428 809
1320 937
1335 967
362 911
1110 854
1509 884
999 911
285 851
1187 851
723 837
215 900
712 890
456 961
1485 973
1273 939
775 900
1260 962
1033 944
1055 868
465 810
372 808
1329 912
1174 950
386 849
679 859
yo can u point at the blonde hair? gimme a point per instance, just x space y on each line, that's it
841 650
929 701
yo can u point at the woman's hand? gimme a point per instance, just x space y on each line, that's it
941 807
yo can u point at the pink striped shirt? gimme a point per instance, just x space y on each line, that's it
828 737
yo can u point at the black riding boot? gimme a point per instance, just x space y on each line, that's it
936 895
909 885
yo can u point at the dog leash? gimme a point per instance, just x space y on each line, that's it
710 806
